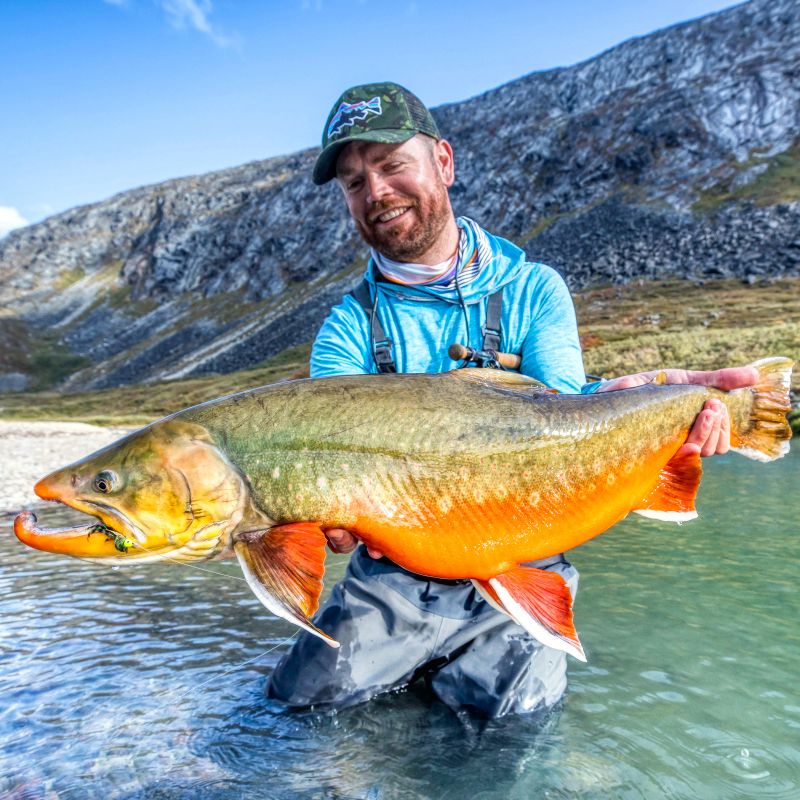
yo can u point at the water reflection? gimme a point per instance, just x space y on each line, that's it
148 682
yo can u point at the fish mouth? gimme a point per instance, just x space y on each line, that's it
108 535
93 540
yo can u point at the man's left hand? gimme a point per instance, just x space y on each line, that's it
711 432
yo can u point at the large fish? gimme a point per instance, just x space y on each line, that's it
466 474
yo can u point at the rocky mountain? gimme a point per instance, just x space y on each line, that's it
673 154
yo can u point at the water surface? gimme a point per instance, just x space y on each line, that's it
148 682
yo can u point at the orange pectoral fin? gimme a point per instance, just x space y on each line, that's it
673 497
284 567
540 602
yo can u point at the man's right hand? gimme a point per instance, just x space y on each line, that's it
342 541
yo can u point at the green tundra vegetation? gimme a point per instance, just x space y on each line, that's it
624 329
778 182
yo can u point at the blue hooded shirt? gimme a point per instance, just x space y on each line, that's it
537 322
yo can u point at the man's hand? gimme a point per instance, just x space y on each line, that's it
342 541
711 432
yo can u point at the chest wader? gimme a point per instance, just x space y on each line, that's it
381 345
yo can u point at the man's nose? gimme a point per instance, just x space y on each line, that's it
377 187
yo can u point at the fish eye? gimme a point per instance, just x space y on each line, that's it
106 481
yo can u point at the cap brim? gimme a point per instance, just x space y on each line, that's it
325 166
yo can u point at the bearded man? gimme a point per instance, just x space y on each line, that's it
433 280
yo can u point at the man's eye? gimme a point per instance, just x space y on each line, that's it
355 185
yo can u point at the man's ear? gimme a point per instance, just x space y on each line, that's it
443 155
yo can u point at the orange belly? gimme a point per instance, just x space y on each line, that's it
486 533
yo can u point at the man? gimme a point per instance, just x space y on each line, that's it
434 280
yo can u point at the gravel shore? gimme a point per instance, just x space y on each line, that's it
29 450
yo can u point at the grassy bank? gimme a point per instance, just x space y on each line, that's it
623 329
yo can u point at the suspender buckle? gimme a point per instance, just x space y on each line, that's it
383 356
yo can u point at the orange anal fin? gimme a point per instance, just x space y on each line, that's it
673 496
539 601
284 567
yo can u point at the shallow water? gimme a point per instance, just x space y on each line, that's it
148 682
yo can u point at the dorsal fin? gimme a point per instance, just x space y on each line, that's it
500 377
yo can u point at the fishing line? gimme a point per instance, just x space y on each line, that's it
464 309
185 564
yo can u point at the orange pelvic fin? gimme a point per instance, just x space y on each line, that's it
673 497
540 602
765 435
284 567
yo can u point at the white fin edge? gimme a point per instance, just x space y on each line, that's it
271 604
666 516
489 599
533 626
757 455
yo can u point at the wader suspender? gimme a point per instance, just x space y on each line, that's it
381 345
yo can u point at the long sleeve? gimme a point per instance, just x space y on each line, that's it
342 345
551 350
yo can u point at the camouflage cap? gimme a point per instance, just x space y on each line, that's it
373 112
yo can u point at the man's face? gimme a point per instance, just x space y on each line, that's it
397 193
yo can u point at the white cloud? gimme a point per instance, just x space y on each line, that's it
10 218
194 14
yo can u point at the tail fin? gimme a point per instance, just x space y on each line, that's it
763 432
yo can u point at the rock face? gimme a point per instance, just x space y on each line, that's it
674 154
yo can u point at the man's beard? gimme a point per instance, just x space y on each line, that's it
410 246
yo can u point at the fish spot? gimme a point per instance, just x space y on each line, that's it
611 478
298 465
322 482
276 473
534 498
445 504
345 468
627 467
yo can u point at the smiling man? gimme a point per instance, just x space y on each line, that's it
433 280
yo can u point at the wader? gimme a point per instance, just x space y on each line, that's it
395 627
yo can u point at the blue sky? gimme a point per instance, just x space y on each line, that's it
99 96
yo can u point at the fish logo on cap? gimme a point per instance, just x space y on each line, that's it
350 113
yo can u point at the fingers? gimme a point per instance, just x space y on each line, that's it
726 379
626 382
724 441
340 540
686 449
711 429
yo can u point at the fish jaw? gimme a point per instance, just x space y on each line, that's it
92 540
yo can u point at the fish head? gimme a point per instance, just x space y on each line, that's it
166 491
